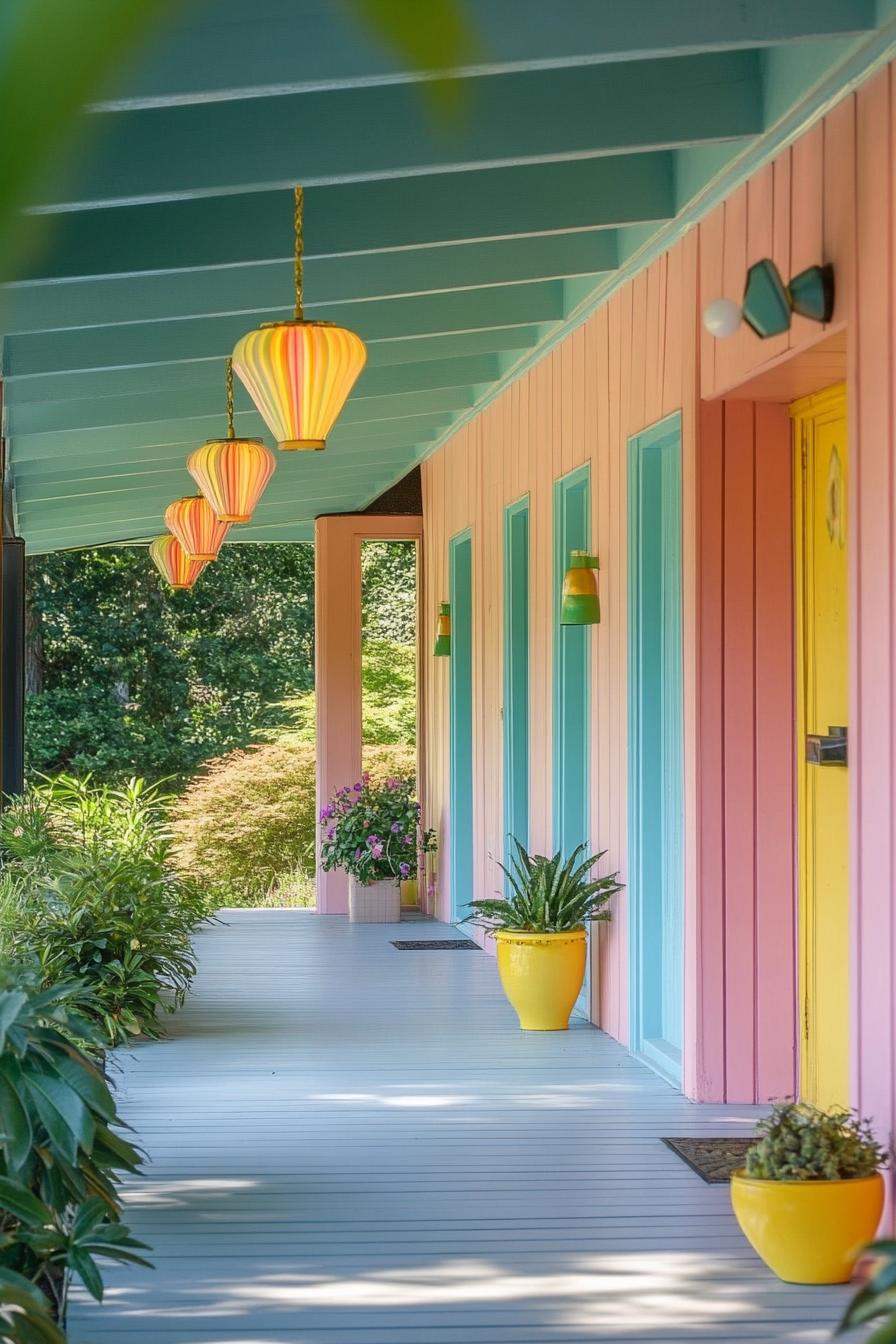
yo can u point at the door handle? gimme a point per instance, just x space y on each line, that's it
827 749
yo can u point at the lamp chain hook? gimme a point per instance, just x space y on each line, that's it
229 367
300 244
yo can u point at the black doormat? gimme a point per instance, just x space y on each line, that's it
715 1160
436 945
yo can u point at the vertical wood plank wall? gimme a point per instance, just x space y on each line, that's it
641 356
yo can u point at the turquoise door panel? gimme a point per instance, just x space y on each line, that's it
655 769
572 675
516 674
460 583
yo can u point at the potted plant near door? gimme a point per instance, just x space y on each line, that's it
541 931
810 1195
372 832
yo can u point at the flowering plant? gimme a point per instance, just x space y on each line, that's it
373 831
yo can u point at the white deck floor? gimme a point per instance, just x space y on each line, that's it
354 1145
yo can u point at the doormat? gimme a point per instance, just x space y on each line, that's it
715 1160
436 944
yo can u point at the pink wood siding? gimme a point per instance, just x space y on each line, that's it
579 404
642 355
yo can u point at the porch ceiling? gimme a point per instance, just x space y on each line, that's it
456 250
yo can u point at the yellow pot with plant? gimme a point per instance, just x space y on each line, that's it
540 929
810 1195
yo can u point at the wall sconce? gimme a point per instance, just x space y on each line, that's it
580 602
768 304
443 632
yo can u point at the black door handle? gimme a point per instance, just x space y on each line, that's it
829 749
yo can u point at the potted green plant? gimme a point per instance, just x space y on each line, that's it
811 1194
372 831
540 928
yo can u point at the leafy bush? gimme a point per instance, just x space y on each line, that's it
798 1142
372 830
61 1157
87 894
547 895
249 819
876 1300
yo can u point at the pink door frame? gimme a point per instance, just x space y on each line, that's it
337 659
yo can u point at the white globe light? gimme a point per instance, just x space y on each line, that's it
722 317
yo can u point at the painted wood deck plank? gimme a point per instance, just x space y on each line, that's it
353 1145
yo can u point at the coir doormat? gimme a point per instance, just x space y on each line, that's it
436 945
715 1160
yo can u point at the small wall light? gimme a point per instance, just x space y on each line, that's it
768 304
443 632
580 602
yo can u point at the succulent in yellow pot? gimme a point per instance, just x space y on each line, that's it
810 1195
540 928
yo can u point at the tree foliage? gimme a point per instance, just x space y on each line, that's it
129 677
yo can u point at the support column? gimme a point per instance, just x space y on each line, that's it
12 666
337 659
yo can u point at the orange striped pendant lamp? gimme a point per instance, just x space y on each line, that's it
232 473
299 373
193 522
178 569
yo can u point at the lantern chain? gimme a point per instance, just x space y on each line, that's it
229 367
300 245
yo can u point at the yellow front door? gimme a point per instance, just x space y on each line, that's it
822 695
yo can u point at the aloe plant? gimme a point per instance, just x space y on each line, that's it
547 895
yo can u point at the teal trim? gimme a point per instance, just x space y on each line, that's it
572 664
516 673
460 584
655 730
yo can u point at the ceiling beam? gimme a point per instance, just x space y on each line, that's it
91 412
249 289
275 47
356 135
445 208
201 338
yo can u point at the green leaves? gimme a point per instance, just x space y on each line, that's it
799 1142
24 1313
547 895
876 1300
60 1159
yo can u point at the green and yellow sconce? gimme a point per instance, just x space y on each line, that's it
443 632
580 600
768 304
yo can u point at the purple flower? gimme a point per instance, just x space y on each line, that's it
358 787
373 840
365 778
408 840
331 833
323 814
376 851
357 855
391 783
404 869
396 827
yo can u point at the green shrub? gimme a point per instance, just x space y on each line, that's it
248 821
88 894
61 1157
798 1142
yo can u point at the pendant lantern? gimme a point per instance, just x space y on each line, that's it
232 473
580 603
178 569
299 373
192 520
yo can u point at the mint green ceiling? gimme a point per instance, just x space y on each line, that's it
589 132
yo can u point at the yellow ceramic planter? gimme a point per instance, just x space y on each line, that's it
808 1231
542 974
